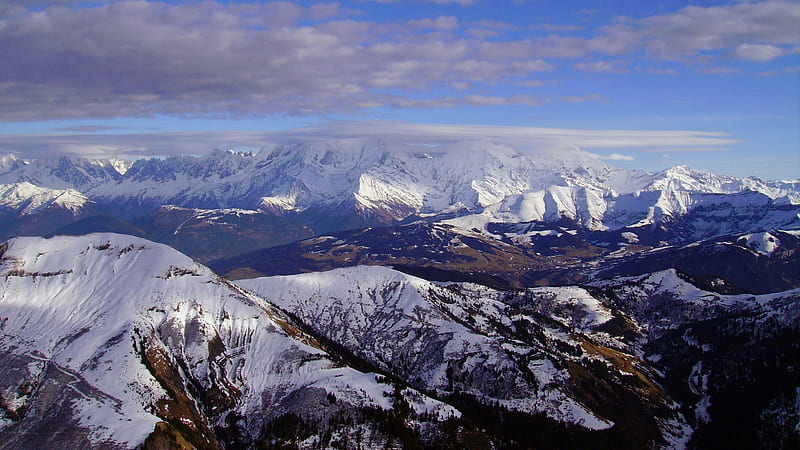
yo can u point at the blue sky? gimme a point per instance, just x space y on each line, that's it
152 78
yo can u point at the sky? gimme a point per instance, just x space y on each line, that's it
641 84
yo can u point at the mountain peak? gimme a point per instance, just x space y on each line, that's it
112 339
28 199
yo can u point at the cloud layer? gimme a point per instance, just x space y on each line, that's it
144 58
525 138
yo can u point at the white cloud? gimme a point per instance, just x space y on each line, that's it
523 137
613 157
467 100
696 29
481 33
758 52
144 58
527 138
617 66
438 23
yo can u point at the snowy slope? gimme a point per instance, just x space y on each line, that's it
375 174
645 200
461 337
665 301
650 331
731 359
61 173
763 243
25 199
104 336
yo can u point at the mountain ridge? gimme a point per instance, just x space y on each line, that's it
111 341
104 327
391 180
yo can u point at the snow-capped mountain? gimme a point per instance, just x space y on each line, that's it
656 337
26 209
61 173
397 178
666 293
25 199
762 262
392 181
648 200
292 191
110 341
463 339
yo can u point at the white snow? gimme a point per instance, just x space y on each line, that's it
382 313
76 301
631 238
585 311
26 199
763 243
621 199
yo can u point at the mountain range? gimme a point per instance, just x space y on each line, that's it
391 182
112 341
368 294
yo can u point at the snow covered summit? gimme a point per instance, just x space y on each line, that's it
110 341
354 183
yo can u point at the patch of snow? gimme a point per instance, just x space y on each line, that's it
630 238
763 243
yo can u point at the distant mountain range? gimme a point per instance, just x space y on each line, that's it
325 187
